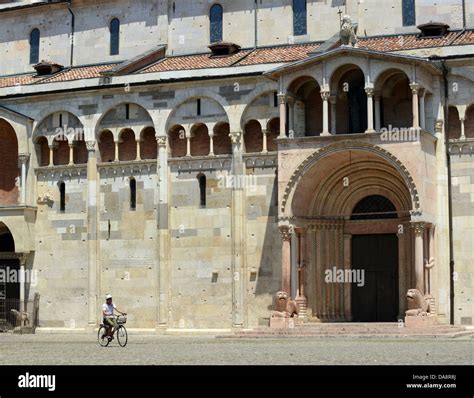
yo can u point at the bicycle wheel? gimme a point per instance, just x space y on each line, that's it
122 336
103 341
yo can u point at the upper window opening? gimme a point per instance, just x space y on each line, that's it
408 11
34 46
114 37
215 17
299 17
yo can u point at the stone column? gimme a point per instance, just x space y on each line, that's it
285 231
415 106
378 113
23 161
211 143
370 108
418 229
291 116
22 282
282 104
402 271
333 101
325 96
422 109
265 144
463 132
52 147
320 284
71 153
238 265
163 232
347 286
116 150
301 294
188 144
92 232
139 157
430 262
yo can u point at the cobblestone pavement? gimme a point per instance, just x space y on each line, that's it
178 350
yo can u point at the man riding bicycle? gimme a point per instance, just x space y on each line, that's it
110 322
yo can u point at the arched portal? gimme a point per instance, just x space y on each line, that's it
9 158
9 285
351 209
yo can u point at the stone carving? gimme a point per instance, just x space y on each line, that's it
348 32
45 198
284 307
417 304
20 317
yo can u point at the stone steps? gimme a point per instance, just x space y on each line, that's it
354 330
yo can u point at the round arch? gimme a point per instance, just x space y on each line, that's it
341 147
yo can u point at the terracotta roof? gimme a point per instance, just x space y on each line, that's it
9 81
257 56
85 72
263 55
198 61
409 42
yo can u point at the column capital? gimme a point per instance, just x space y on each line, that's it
161 141
325 95
53 145
90 146
286 231
23 158
415 87
333 99
281 98
235 137
290 100
370 91
439 126
418 227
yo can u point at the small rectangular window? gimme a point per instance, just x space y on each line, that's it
275 99
133 194
408 11
127 111
198 105
62 197
202 190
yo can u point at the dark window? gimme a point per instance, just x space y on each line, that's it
127 111
299 17
62 196
202 190
409 15
198 106
275 99
60 120
215 17
114 37
34 46
133 194
374 207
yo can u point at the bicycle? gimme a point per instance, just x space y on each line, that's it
119 330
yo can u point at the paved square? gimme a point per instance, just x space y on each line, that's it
207 350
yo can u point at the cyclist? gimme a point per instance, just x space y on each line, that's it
108 309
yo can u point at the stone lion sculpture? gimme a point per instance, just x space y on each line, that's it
417 304
19 317
348 32
283 306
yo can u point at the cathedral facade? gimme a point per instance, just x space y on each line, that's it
192 158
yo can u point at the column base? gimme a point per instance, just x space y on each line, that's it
325 134
370 131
